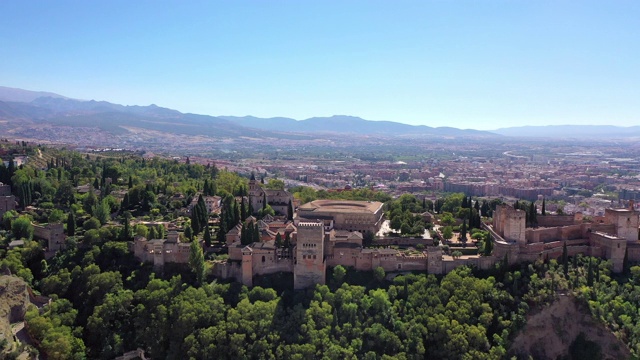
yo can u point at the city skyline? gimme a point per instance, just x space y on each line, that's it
466 64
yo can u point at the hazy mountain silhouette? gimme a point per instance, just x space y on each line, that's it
32 106
571 131
348 124
20 95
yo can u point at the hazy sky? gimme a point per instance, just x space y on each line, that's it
467 64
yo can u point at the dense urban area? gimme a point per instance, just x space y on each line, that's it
465 248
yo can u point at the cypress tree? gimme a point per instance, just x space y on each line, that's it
264 201
256 234
287 240
130 181
488 245
243 210
195 219
464 203
278 241
544 207
533 214
484 210
290 211
125 202
463 231
188 232
11 170
126 232
222 229
203 216
236 212
71 223
207 236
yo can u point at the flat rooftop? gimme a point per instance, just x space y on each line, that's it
342 206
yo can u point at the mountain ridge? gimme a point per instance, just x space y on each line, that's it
570 131
61 110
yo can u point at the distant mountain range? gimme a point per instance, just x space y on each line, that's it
23 108
53 109
571 131
348 124
19 95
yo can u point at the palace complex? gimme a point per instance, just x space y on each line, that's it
327 233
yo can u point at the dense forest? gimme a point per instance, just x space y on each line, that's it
105 302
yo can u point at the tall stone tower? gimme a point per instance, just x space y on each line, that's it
625 221
310 266
510 224
247 266
256 194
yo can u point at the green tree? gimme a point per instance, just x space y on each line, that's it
196 261
379 274
488 245
64 195
267 210
56 216
533 212
71 223
206 236
287 240
188 232
463 232
141 230
447 233
125 235
275 184
90 201
102 212
290 211
278 241
195 219
339 272
367 238
92 223
22 228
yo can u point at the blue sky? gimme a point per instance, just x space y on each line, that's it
466 64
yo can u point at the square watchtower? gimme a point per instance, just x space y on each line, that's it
310 266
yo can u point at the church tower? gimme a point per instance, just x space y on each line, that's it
256 195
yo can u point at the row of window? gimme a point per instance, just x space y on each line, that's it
309 245
308 257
